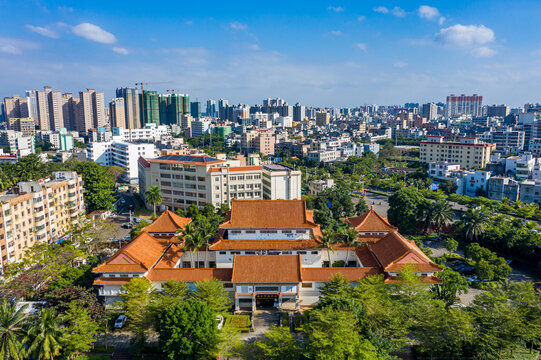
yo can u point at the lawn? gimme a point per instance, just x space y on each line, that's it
241 322
93 357
522 354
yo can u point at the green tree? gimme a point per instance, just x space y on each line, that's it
137 229
12 330
475 223
338 200
188 331
337 286
405 209
451 244
333 335
449 187
174 291
44 334
327 240
361 207
453 285
79 331
277 344
349 237
98 183
230 343
61 299
441 214
213 294
154 197
136 296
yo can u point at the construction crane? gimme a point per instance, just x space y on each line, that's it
150 83
172 91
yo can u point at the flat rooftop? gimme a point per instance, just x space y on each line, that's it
276 167
186 159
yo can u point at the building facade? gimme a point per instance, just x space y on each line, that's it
281 183
464 105
267 253
40 211
469 152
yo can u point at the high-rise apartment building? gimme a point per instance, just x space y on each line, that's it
70 111
91 110
195 109
299 112
323 118
16 107
222 108
27 126
464 105
211 108
498 110
469 152
117 113
429 111
31 95
281 183
131 106
172 107
50 112
149 107
186 121
40 211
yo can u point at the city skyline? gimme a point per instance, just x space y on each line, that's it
326 54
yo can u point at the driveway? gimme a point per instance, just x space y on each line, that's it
380 202
262 320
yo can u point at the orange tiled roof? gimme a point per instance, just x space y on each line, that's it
366 257
351 273
268 214
266 269
370 221
393 247
170 258
169 222
112 281
118 268
285 244
189 274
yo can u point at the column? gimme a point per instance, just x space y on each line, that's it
253 303
237 306
280 302
297 304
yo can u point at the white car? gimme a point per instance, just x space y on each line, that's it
119 323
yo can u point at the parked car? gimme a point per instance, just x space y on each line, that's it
120 321
220 320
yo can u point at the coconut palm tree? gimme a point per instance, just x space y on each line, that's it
12 330
441 214
190 236
349 238
43 335
475 222
154 197
208 231
327 239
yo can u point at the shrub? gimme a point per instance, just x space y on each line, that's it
339 263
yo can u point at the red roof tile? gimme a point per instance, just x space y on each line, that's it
228 244
188 274
112 281
370 221
170 258
167 222
268 214
366 257
424 279
266 269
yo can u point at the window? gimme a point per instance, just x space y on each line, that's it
307 285
223 252
186 264
249 253
315 252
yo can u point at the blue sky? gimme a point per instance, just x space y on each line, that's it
320 53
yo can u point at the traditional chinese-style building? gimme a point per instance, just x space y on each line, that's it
267 253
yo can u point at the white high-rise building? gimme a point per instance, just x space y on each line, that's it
464 105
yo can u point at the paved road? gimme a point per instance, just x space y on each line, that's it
262 320
380 202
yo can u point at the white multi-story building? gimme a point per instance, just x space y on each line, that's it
200 127
464 105
521 166
17 143
150 132
123 154
324 155
281 183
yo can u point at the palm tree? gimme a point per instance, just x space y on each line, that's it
349 238
43 336
441 213
475 222
12 330
190 235
327 240
208 231
154 197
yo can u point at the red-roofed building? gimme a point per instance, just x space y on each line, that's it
267 253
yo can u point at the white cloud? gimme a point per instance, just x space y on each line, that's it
335 33
121 50
398 11
381 9
65 9
361 46
361 18
465 35
254 47
441 20
93 33
400 64
188 22
43 31
336 9
483 51
428 12
238 26
15 46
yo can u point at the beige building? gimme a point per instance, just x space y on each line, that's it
38 211
117 113
50 111
199 179
469 152
281 183
91 110
70 110
25 125
323 118
264 144
16 107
